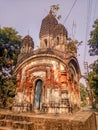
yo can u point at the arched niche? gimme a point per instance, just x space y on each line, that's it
46 42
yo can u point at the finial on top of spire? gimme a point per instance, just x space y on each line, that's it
50 12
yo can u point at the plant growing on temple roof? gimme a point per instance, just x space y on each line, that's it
55 9
73 45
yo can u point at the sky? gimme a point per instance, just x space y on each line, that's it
25 16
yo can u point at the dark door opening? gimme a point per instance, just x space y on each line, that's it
38 94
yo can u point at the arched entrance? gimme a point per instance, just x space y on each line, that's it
38 94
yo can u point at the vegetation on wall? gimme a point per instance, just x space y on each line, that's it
73 45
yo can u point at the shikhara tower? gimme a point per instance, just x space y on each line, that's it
48 77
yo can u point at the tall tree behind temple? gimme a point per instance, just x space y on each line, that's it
93 74
9 49
93 79
93 42
83 94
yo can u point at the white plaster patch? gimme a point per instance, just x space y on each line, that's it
39 73
61 67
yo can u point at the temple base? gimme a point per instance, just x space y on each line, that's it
30 121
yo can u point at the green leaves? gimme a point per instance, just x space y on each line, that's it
93 42
93 74
93 79
9 44
54 9
9 35
83 92
73 45
9 49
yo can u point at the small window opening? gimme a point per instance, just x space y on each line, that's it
57 40
45 42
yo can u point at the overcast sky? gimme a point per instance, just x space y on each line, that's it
26 16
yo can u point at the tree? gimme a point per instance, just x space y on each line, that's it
83 94
9 44
93 42
7 90
9 49
93 74
93 79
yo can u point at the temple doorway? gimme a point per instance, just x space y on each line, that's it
38 94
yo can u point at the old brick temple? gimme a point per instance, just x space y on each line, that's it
47 77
